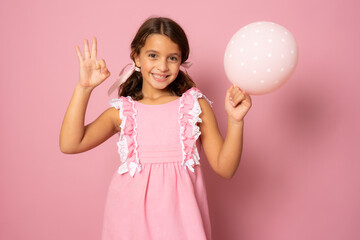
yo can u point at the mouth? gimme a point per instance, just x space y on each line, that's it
160 77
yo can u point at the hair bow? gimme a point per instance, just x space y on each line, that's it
123 76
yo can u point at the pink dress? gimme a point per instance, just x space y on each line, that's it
158 191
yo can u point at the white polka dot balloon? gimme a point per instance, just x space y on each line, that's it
260 57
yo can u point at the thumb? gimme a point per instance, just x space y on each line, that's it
105 72
103 69
247 99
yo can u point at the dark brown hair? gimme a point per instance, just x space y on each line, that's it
165 26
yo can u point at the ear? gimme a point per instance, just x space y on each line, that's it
137 60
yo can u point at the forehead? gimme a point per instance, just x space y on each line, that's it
160 43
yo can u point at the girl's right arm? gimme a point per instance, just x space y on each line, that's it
74 136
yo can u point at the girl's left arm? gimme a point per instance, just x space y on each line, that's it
224 155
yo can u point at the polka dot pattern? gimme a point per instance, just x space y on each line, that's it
260 57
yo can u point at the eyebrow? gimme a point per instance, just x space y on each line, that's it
154 51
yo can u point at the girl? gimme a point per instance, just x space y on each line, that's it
158 191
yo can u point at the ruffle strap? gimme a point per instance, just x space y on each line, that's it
190 111
127 144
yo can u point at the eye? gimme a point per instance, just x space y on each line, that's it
173 58
152 55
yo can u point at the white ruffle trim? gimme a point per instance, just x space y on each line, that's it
134 165
195 113
129 167
122 143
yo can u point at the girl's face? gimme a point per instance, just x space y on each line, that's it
159 61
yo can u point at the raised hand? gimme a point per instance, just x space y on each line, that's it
237 103
92 71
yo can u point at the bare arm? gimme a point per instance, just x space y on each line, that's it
74 136
224 155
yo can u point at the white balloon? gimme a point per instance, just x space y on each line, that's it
260 57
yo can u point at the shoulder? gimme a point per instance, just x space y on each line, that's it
204 103
193 91
113 115
196 98
206 109
196 94
120 107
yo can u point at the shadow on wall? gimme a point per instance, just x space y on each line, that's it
286 134
311 116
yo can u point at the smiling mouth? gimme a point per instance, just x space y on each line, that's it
160 77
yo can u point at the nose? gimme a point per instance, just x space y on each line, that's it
163 65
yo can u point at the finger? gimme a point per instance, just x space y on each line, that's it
86 49
228 93
237 96
103 69
229 90
229 96
106 73
80 57
94 48
235 90
247 98
101 63
237 99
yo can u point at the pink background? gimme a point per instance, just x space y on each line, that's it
298 178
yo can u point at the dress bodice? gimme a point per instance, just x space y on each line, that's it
169 131
158 132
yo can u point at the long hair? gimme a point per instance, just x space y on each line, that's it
165 26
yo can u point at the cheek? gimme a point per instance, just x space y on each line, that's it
176 73
146 65
175 68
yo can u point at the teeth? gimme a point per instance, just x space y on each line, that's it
159 76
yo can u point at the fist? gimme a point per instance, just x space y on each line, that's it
237 103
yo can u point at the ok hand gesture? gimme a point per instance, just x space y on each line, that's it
92 71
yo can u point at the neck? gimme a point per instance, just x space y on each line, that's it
155 93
